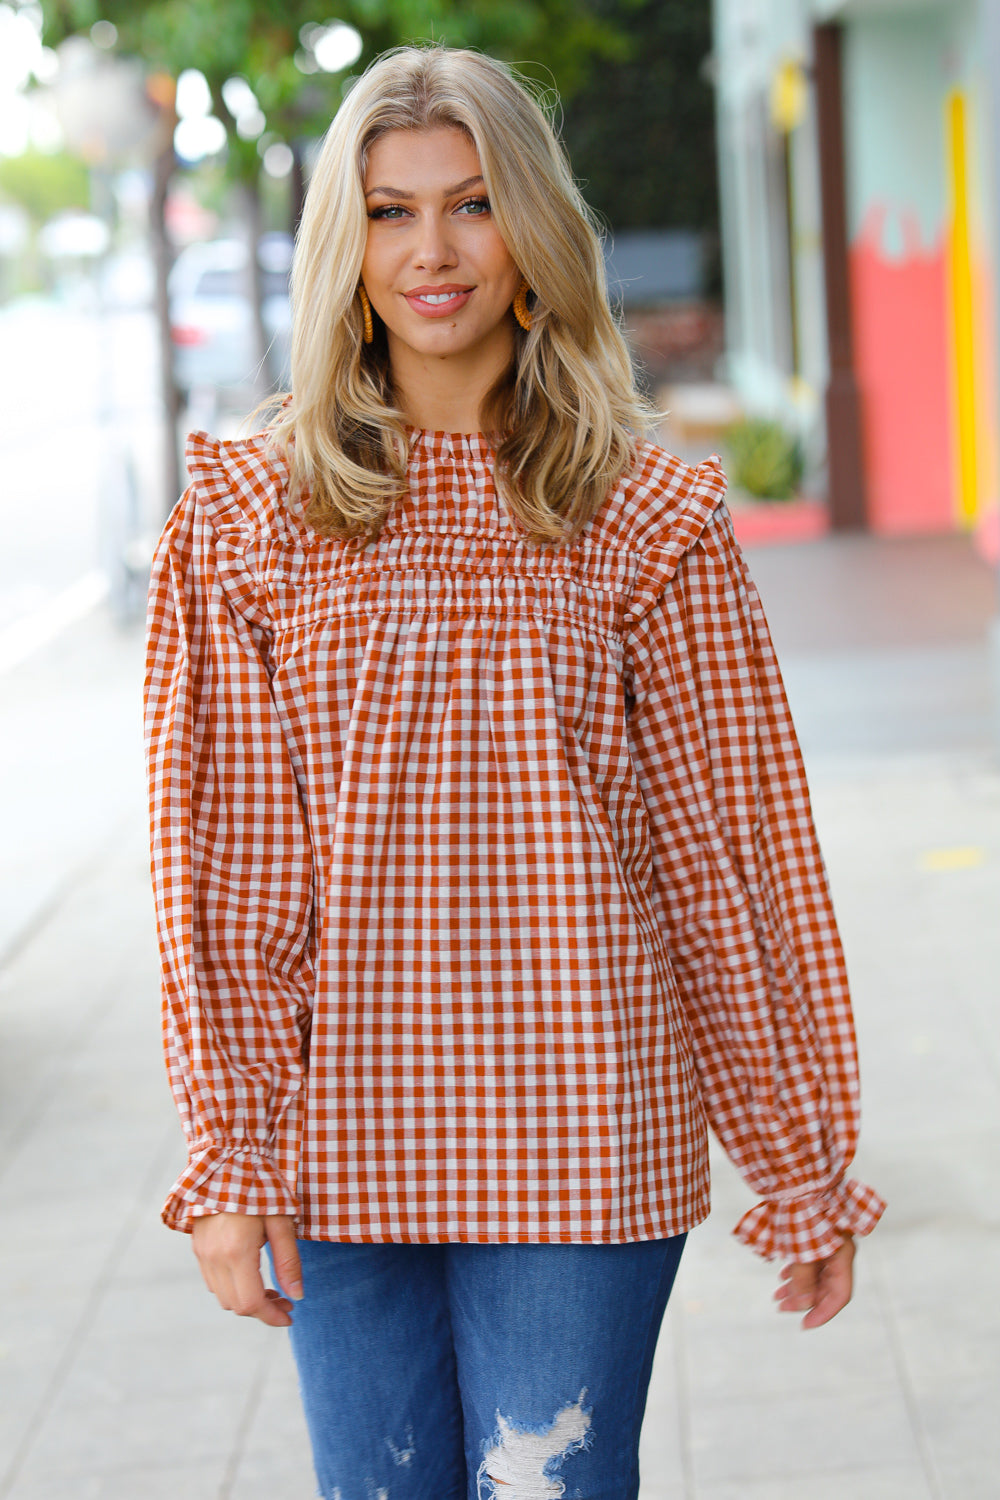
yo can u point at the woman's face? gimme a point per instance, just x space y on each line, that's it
436 269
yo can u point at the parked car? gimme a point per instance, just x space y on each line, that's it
211 322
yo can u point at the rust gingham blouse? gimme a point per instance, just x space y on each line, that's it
485 870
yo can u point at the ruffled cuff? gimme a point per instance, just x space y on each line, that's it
228 1179
812 1226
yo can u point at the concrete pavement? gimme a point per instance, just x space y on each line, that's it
119 1378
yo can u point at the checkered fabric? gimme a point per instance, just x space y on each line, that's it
485 870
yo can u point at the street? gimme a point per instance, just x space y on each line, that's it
78 391
73 386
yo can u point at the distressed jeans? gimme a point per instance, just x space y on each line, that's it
479 1372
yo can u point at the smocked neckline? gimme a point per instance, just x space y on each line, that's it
468 445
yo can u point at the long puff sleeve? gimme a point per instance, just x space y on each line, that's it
232 879
742 892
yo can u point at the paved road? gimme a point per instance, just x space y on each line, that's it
118 1378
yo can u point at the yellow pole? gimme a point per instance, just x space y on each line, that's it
962 312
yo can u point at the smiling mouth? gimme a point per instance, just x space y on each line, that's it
439 303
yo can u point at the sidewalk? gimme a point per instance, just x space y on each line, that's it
121 1380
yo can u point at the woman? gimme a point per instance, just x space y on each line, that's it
483 852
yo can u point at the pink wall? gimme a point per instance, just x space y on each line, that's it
900 322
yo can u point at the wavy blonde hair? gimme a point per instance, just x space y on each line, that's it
562 418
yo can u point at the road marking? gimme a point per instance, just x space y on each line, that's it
22 638
966 857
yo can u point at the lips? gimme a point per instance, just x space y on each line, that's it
438 301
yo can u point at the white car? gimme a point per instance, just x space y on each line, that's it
210 317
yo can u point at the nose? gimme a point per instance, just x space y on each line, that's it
434 250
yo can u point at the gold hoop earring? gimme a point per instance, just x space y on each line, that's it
521 312
366 313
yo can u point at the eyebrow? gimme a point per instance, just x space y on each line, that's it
460 187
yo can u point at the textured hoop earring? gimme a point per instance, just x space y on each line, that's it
521 312
366 313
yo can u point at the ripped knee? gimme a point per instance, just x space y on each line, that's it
524 1462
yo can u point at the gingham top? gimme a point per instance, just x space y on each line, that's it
485 870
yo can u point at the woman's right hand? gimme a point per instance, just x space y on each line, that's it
228 1248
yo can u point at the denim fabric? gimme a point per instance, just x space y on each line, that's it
464 1372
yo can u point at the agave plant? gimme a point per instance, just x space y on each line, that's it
764 459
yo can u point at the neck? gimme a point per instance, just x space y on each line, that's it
446 394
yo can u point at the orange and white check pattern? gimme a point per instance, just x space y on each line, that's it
485 870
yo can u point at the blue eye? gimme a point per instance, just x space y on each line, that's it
387 211
475 207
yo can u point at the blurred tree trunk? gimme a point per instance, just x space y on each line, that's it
264 377
298 186
163 171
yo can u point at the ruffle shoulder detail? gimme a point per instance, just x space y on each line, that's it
240 484
667 505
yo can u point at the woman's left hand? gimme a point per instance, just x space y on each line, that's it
819 1288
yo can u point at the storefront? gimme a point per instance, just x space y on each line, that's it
858 171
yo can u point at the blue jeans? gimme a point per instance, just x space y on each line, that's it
471 1372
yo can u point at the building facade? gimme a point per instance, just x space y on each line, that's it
858 167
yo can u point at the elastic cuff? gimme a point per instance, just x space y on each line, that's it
228 1179
810 1228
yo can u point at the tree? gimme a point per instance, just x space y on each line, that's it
641 132
44 183
259 39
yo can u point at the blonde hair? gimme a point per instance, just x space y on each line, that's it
562 419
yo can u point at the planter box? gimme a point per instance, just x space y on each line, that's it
764 523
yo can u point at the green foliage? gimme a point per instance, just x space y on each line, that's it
558 41
44 184
764 459
258 39
641 134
